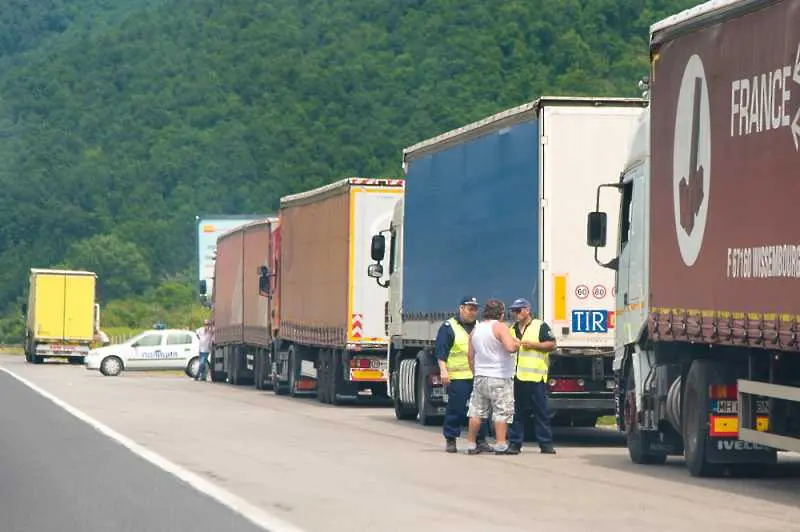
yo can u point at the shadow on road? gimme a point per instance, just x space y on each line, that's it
778 484
562 436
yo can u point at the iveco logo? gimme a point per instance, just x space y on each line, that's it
739 445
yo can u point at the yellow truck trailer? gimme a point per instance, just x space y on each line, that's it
61 315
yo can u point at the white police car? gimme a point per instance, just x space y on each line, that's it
151 350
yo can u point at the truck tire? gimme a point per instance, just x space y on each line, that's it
336 378
232 356
325 377
278 387
37 359
694 422
422 398
260 373
294 367
401 411
637 446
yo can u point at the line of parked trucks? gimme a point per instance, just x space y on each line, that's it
490 209
692 347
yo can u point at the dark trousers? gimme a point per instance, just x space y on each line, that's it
530 397
458 392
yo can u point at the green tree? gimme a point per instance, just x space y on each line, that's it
120 267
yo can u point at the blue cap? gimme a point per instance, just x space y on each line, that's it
469 300
519 304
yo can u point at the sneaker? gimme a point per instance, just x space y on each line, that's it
547 449
501 449
484 447
478 449
513 448
450 446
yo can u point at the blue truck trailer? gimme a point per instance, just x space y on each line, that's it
492 209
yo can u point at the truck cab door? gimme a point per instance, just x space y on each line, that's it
631 273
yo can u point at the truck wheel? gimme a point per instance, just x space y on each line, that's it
324 376
232 355
37 359
259 374
422 399
695 417
111 366
401 411
637 446
293 369
336 378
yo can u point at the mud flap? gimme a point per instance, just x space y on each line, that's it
733 451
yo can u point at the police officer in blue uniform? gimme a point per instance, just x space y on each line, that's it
452 346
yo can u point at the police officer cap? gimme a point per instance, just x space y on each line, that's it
469 300
520 304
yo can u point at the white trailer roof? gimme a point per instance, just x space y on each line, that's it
61 272
503 119
337 187
702 12
267 220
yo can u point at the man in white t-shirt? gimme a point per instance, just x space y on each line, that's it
491 356
206 336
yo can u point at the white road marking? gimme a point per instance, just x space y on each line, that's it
250 512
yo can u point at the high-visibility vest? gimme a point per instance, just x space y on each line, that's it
532 365
457 361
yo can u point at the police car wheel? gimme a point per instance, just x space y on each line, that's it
193 368
111 366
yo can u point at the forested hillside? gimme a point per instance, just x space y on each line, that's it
121 120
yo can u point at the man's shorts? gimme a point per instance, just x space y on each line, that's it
492 394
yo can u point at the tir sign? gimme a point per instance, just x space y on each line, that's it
592 321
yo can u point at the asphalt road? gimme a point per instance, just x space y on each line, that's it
59 474
326 468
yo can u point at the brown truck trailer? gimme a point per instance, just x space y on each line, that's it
241 316
330 334
708 257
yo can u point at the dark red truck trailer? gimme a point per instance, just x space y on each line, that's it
243 328
708 253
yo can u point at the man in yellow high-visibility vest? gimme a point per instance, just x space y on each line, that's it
530 379
452 344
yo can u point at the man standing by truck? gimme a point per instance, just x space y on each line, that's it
530 379
452 344
205 335
491 358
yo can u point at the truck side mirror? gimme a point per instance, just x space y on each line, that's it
378 248
375 271
596 229
263 281
202 287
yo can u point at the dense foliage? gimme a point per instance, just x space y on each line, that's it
120 120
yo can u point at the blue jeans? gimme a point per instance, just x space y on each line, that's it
203 370
530 397
458 392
